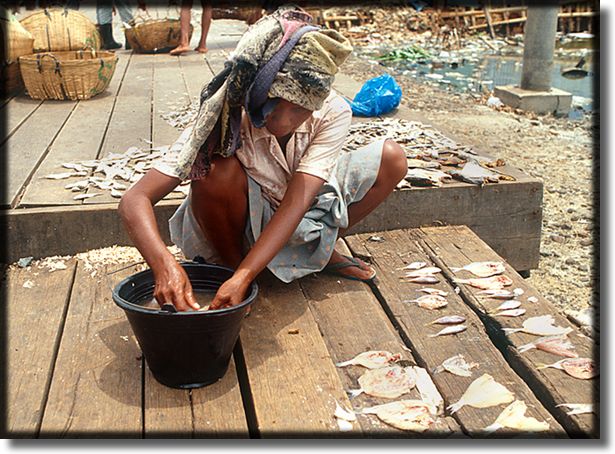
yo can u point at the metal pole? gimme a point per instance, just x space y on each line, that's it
539 46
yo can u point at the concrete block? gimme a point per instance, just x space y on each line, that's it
553 101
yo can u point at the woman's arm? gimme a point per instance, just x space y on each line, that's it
299 196
137 212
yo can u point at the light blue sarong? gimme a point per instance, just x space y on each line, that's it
310 247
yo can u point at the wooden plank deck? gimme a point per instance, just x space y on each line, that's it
40 136
76 370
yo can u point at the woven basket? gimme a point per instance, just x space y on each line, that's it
17 42
153 35
61 29
11 79
67 75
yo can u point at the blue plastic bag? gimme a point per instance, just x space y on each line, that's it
376 97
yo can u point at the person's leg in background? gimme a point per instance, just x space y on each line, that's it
205 23
104 17
184 24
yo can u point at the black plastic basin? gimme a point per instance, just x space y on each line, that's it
186 349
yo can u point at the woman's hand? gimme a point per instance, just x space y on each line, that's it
173 287
231 293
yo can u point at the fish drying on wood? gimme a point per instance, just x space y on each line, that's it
372 359
513 417
455 329
389 382
482 269
500 294
581 368
483 392
428 391
558 345
414 266
532 299
414 163
428 271
427 177
62 176
508 305
343 417
448 320
511 313
542 325
86 196
413 415
474 173
578 409
430 302
487 283
456 365
433 291
426 279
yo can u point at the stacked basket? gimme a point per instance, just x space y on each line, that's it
148 35
17 42
68 63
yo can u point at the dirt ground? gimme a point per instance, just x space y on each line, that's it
558 151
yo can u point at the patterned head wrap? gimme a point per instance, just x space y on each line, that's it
304 60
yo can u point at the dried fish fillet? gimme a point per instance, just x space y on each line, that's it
450 330
578 409
511 313
342 413
532 299
487 283
483 392
513 417
558 345
429 271
540 326
507 305
433 291
482 269
581 368
500 294
411 415
86 196
427 279
60 176
372 359
448 320
427 177
456 365
472 172
414 266
389 382
428 391
430 302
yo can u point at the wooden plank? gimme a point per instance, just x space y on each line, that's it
218 409
15 112
196 73
40 232
293 382
96 388
79 140
399 249
131 120
25 149
352 321
34 321
459 246
167 411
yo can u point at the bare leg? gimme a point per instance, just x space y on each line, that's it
220 205
393 168
184 26
205 23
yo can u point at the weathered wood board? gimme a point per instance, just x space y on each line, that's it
79 140
24 150
15 113
352 321
34 322
397 250
96 389
458 246
195 73
293 382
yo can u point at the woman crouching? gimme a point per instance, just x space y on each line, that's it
270 185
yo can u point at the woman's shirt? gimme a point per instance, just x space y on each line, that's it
313 148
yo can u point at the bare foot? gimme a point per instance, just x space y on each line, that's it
180 50
201 49
363 271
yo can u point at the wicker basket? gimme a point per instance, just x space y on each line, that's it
67 75
61 29
17 42
153 35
